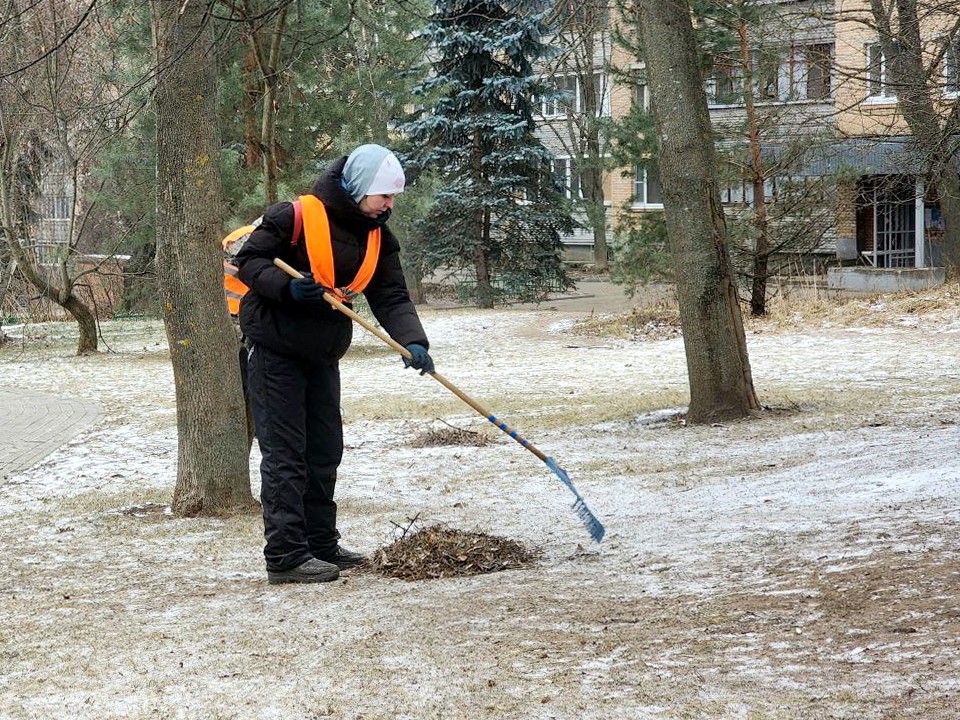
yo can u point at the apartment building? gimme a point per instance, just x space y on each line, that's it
826 115
887 214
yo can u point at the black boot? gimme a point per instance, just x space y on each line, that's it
311 571
345 559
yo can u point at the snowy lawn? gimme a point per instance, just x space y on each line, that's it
804 564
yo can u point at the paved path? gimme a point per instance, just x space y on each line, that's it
602 296
32 426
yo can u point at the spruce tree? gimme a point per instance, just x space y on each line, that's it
499 210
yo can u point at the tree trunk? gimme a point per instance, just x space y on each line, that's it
251 96
592 183
761 253
6 278
14 257
268 144
413 277
949 192
583 142
268 62
63 296
213 462
86 324
718 367
481 264
591 174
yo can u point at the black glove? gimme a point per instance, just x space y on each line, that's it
305 290
420 359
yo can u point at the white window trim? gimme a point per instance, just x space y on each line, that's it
605 109
953 43
568 173
639 204
882 97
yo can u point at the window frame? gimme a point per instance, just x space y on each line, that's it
643 203
565 166
878 84
559 108
727 72
951 66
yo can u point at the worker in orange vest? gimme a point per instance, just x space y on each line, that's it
295 341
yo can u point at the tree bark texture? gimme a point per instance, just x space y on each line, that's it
213 460
718 366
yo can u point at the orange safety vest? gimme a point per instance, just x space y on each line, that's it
308 213
316 229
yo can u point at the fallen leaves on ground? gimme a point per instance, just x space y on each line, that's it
439 552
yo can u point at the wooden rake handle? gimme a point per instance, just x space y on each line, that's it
369 327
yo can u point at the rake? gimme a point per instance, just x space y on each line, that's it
593 525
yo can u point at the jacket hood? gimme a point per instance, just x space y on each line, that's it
337 201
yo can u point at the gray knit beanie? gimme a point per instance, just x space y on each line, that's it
372 170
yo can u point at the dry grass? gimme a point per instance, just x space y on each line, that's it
789 311
660 322
831 310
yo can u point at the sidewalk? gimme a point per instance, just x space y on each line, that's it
594 295
32 426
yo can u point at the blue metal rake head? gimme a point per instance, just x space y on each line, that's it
593 525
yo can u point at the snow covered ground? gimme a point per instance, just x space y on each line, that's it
803 564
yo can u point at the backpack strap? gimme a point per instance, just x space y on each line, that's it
297 221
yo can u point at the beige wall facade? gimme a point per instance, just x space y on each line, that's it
863 108
860 102
858 112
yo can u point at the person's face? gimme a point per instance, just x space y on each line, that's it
374 205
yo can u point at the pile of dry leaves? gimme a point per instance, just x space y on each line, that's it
439 552
439 437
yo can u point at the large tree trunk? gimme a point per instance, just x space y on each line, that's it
213 462
718 367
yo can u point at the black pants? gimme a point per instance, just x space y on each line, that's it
296 405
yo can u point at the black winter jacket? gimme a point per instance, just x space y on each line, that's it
268 315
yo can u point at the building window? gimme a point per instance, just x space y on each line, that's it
951 65
641 98
564 169
725 83
818 62
566 87
57 207
646 187
801 73
740 192
572 100
878 81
